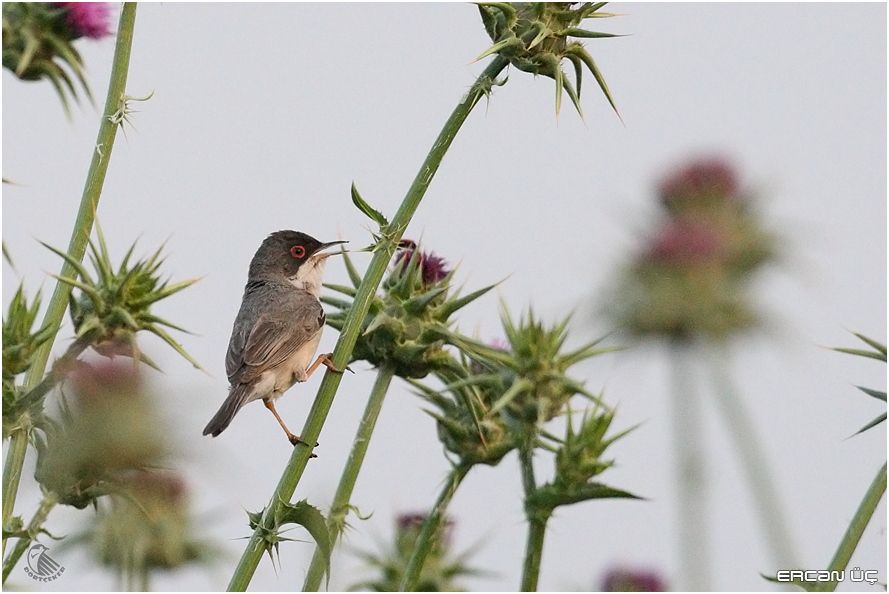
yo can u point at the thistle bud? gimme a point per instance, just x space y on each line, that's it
110 428
147 525
534 368
468 426
407 326
537 37
578 461
109 309
440 570
20 344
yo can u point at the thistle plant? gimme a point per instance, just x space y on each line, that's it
108 431
20 343
578 460
440 572
109 426
38 41
537 37
500 404
35 384
875 491
146 527
405 333
76 454
690 285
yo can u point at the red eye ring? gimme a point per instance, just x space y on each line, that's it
298 252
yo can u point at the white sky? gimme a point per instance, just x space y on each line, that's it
264 114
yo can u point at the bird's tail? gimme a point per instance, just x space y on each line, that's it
237 397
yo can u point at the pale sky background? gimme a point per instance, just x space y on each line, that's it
264 114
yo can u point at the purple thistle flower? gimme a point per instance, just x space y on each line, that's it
633 580
434 267
687 242
88 19
702 178
409 525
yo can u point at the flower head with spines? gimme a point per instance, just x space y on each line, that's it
408 324
533 368
117 303
537 37
38 36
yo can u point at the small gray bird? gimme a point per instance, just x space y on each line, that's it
278 327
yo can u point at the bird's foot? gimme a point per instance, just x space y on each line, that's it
296 440
325 360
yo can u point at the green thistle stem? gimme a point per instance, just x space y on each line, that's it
46 505
691 495
537 521
56 374
19 437
352 325
339 508
533 555
12 473
77 247
430 529
754 461
856 529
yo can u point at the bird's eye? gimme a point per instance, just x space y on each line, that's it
298 252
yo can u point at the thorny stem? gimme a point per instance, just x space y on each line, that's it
18 443
429 531
46 505
83 225
856 529
691 483
354 319
339 508
755 462
537 520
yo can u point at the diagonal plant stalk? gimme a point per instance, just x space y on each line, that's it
536 522
856 528
430 528
339 508
754 461
691 494
34 526
352 326
83 225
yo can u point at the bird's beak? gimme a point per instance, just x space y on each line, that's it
322 256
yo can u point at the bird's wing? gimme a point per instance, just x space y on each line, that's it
286 322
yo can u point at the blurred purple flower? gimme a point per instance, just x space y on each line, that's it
94 383
409 525
623 579
684 241
88 19
434 267
710 177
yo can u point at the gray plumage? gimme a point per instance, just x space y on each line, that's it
278 327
